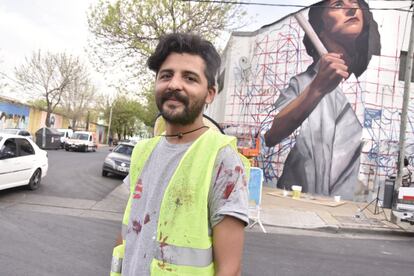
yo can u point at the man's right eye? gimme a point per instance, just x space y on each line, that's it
164 76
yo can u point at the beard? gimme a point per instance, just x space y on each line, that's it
185 117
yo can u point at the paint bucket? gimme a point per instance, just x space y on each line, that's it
296 191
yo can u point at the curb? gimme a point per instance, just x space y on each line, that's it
335 229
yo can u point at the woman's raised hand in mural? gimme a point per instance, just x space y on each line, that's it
332 70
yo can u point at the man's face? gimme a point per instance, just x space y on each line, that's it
343 19
181 88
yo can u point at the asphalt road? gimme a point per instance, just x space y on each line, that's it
56 231
310 253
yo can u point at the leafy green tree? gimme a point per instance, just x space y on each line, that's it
125 116
126 31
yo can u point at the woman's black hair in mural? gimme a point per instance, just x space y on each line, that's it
367 44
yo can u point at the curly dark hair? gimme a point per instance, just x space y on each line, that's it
190 44
367 43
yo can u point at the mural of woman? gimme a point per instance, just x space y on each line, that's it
325 158
2 120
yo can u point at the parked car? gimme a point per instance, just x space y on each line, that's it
17 131
117 162
82 141
67 133
22 162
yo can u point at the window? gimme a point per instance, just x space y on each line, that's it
9 148
25 147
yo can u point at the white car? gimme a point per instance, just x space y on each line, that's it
22 162
17 131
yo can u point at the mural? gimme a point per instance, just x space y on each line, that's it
330 123
13 116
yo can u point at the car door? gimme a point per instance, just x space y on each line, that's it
10 166
27 158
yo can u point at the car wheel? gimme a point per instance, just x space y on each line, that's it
35 180
66 149
104 173
94 149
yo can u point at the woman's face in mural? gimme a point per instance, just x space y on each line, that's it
343 20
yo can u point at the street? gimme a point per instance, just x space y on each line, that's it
68 227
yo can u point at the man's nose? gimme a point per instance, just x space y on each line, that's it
175 83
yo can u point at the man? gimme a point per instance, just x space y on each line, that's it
325 157
188 205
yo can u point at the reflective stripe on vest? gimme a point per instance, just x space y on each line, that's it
117 258
178 255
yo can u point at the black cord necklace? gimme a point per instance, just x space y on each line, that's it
180 135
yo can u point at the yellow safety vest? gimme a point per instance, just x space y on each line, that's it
183 224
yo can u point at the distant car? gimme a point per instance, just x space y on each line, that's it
67 133
81 141
117 162
17 131
22 162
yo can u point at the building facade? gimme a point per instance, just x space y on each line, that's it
258 66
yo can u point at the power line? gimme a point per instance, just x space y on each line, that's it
289 5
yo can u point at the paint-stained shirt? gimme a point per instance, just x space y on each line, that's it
227 196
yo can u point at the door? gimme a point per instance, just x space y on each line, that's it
10 167
27 158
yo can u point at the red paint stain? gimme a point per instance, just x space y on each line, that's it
136 226
146 219
162 245
229 172
227 191
238 169
219 172
138 189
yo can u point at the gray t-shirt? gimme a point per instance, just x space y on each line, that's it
227 196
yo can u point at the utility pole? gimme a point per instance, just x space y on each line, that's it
109 125
406 99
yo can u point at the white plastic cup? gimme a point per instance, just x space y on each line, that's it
296 191
337 198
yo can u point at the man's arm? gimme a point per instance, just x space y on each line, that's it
118 240
228 239
332 70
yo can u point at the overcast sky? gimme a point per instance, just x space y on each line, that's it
60 25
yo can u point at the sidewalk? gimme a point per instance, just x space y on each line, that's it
285 212
306 213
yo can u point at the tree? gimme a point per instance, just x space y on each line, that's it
125 116
126 31
79 97
49 76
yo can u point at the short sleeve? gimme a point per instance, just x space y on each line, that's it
228 193
288 94
126 182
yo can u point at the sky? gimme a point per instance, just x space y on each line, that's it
61 25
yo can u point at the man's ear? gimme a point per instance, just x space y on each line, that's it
211 94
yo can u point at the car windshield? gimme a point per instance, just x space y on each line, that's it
10 131
80 136
124 149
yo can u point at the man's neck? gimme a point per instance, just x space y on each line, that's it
189 132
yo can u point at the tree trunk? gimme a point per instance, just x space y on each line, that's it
47 120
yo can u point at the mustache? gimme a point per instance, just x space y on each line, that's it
174 95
